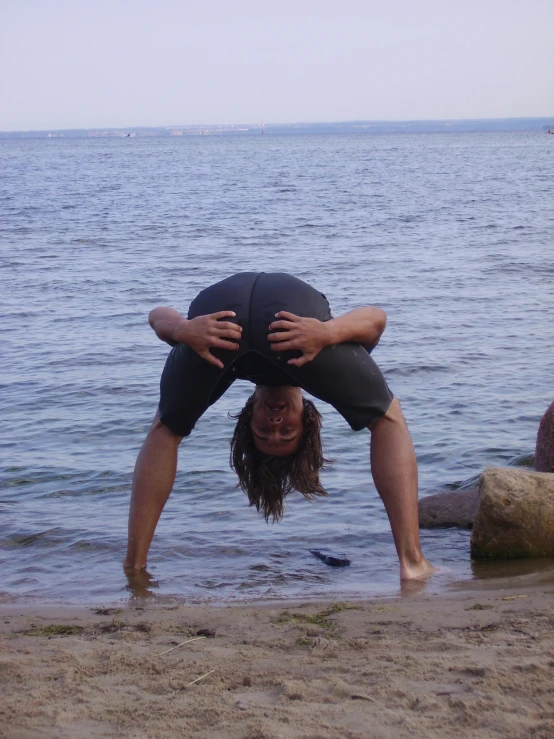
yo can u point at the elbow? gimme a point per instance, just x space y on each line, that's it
156 315
152 316
379 323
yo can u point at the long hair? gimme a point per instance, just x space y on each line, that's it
268 480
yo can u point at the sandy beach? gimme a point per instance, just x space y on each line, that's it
473 662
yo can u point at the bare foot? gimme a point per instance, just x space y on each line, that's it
130 566
140 583
420 570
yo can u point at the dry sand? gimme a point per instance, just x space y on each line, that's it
461 664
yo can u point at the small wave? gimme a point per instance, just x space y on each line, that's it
525 460
522 460
42 539
84 545
410 219
18 230
415 369
507 269
211 585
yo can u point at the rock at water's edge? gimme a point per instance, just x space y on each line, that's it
544 451
453 508
515 516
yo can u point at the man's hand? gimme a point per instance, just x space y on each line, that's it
201 333
307 335
362 326
209 332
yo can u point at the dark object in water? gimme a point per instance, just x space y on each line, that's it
330 559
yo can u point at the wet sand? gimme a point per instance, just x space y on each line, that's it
467 663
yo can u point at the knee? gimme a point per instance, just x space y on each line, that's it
160 431
394 414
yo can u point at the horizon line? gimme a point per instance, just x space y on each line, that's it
276 125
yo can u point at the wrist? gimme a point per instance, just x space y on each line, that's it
179 331
331 333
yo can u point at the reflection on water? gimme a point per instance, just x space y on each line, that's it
508 568
141 584
413 587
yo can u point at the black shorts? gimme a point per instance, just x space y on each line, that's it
343 375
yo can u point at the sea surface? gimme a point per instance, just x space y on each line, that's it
452 234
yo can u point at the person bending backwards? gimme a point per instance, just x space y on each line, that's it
278 332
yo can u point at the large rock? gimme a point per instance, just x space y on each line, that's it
544 451
453 508
515 516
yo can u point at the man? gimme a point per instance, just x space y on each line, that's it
277 332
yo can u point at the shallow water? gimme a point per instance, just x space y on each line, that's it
450 233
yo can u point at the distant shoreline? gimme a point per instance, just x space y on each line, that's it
477 125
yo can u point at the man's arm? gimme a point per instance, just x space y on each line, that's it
165 322
362 325
310 336
201 333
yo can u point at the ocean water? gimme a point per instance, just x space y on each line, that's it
452 234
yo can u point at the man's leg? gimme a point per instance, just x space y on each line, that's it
153 480
394 469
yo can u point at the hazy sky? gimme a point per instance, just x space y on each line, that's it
90 63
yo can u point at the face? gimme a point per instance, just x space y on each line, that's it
277 423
